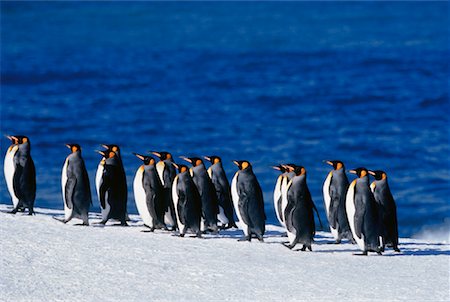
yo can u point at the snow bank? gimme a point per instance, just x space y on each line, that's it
45 260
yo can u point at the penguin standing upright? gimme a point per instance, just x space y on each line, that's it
20 174
248 201
362 213
334 194
167 173
111 189
148 194
76 190
277 193
223 193
187 202
205 187
387 209
298 215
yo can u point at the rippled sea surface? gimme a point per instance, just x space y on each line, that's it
366 83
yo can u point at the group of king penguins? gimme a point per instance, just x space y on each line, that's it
198 200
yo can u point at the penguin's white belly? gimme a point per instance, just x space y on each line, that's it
168 217
222 217
276 199
175 202
140 198
327 200
160 169
350 207
284 202
235 197
67 210
98 183
9 170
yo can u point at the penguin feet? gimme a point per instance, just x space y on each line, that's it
181 235
397 250
245 238
289 246
303 248
103 222
124 223
364 253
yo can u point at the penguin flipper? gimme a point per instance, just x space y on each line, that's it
359 221
17 183
104 187
69 190
243 208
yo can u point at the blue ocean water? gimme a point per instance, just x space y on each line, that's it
270 82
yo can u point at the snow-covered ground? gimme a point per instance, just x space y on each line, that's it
45 260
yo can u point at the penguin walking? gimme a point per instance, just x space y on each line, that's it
299 215
248 201
387 209
166 172
362 213
112 188
222 187
76 190
149 194
334 194
20 174
187 202
205 187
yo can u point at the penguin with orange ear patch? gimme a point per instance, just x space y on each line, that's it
20 174
387 209
111 189
222 186
362 213
205 187
148 194
248 202
75 185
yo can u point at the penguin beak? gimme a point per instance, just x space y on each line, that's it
9 137
141 157
371 173
104 146
68 146
236 162
276 168
176 166
328 162
155 153
186 159
352 171
102 153
207 158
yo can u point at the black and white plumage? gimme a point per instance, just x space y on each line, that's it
187 202
248 202
280 203
166 172
205 187
20 174
149 194
76 190
362 213
299 215
112 190
334 195
222 186
387 209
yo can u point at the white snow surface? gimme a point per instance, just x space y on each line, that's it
45 260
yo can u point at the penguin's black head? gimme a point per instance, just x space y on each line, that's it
298 170
18 139
148 160
195 161
181 168
213 159
106 153
280 168
361 172
73 147
378 174
242 164
337 164
163 155
111 147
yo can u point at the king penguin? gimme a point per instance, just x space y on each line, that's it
205 187
387 209
167 173
248 201
111 189
334 194
362 213
223 193
149 194
282 180
76 190
20 174
299 215
187 202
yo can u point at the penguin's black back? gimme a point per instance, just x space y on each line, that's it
223 192
337 212
189 202
251 201
81 196
387 211
154 192
207 193
117 191
24 181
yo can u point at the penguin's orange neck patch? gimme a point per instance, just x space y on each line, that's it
183 169
152 161
303 171
363 173
216 160
111 154
115 148
24 140
198 162
338 166
383 176
245 165
169 156
74 149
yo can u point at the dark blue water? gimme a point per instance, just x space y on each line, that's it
270 82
